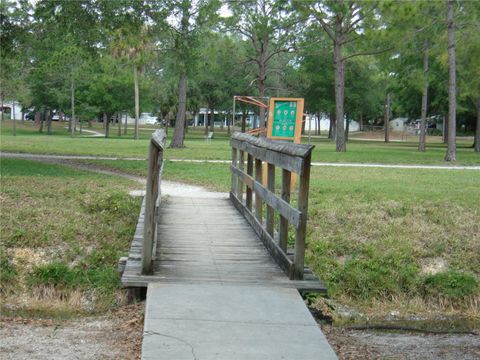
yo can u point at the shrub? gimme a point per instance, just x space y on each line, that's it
451 285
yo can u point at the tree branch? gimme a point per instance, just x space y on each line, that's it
368 53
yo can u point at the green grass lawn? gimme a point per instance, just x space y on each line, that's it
63 232
29 140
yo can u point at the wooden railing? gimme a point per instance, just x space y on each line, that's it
152 199
290 158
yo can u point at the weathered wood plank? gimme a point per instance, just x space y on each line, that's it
283 221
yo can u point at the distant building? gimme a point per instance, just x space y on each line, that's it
399 124
11 110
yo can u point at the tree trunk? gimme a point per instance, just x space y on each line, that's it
81 126
49 122
347 129
14 122
212 118
423 121
119 123
318 132
72 98
339 65
332 129
178 137
228 123
361 121
106 121
476 145
386 118
244 121
37 117
1 105
125 125
42 120
137 100
23 116
262 89
206 120
452 85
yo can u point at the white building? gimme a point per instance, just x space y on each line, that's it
398 124
12 109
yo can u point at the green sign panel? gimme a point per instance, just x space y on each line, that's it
284 119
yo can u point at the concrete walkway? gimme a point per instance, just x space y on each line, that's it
225 322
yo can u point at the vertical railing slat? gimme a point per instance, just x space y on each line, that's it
270 186
283 223
258 199
249 189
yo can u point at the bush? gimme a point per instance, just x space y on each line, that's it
451 285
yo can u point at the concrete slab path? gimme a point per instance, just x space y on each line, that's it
230 322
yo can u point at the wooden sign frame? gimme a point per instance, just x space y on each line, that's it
297 138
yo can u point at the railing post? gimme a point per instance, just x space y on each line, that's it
249 189
258 199
150 202
299 258
283 227
241 166
271 187
234 178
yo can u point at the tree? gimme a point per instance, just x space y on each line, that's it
346 23
268 25
452 84
188 21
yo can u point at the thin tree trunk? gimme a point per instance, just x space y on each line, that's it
125 124
318 124
137 100
212 118
42 120
106 121
119 123
244 121
37 117
178 137
339 65
361 121
476 145
452 85
228 123
262 89
49 122
423 121
206 120
23 116
14 123
1 105
332 130
386 118
72 97
347 129
81 126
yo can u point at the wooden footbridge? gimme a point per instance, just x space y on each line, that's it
222 278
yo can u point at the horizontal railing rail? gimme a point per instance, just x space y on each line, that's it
257 190
152 199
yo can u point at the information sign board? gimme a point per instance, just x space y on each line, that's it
285 119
